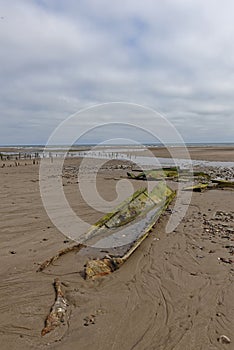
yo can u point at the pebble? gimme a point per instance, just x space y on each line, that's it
89 320
227 261
223 339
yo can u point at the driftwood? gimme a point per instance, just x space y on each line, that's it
57 315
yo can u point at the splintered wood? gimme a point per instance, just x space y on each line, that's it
58 311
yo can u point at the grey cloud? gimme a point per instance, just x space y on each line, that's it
60 56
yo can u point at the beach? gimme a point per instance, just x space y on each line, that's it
175 292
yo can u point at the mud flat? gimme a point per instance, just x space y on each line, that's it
175 292
211 153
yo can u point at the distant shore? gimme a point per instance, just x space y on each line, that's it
209 153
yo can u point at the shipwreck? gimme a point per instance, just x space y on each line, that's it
126 227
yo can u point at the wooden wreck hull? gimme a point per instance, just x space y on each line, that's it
158 174
134 218
223 183
168 173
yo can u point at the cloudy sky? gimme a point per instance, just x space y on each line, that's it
60 56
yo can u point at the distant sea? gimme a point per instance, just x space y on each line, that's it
89 145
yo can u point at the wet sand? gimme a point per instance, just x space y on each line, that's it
212 153
175 292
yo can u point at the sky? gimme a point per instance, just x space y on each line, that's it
61 56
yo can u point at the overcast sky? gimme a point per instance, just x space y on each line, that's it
59 56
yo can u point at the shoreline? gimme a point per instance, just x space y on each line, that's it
199 155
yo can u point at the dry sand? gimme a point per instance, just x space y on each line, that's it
173 293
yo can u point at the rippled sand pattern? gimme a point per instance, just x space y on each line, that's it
173 293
